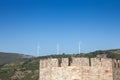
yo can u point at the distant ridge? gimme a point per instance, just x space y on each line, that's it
12 57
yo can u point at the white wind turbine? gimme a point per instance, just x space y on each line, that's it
38 50
79 47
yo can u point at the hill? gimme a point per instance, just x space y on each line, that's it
29 69
21 70
12 57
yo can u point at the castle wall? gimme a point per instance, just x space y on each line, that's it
116 69
76 69
80 62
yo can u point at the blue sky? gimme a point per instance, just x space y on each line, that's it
26 23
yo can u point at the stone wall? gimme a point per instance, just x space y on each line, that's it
116 69
76 69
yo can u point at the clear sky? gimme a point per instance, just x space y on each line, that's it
26 23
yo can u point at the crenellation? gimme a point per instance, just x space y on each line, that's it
53 62
43 63
116 63
64 62
106 62
96 62
74 60
79 69
116 70
84 61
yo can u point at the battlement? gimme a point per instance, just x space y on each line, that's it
66 62
116 63
79 69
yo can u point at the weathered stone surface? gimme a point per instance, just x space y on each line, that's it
80 69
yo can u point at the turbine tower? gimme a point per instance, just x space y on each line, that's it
38 50
79 47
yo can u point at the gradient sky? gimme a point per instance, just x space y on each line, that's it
26 23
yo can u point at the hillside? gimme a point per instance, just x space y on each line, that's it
29 69
22 70
12 57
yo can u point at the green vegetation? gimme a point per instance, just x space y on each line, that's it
12 57
28 69
21 70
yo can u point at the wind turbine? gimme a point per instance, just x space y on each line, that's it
79 47
38 50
